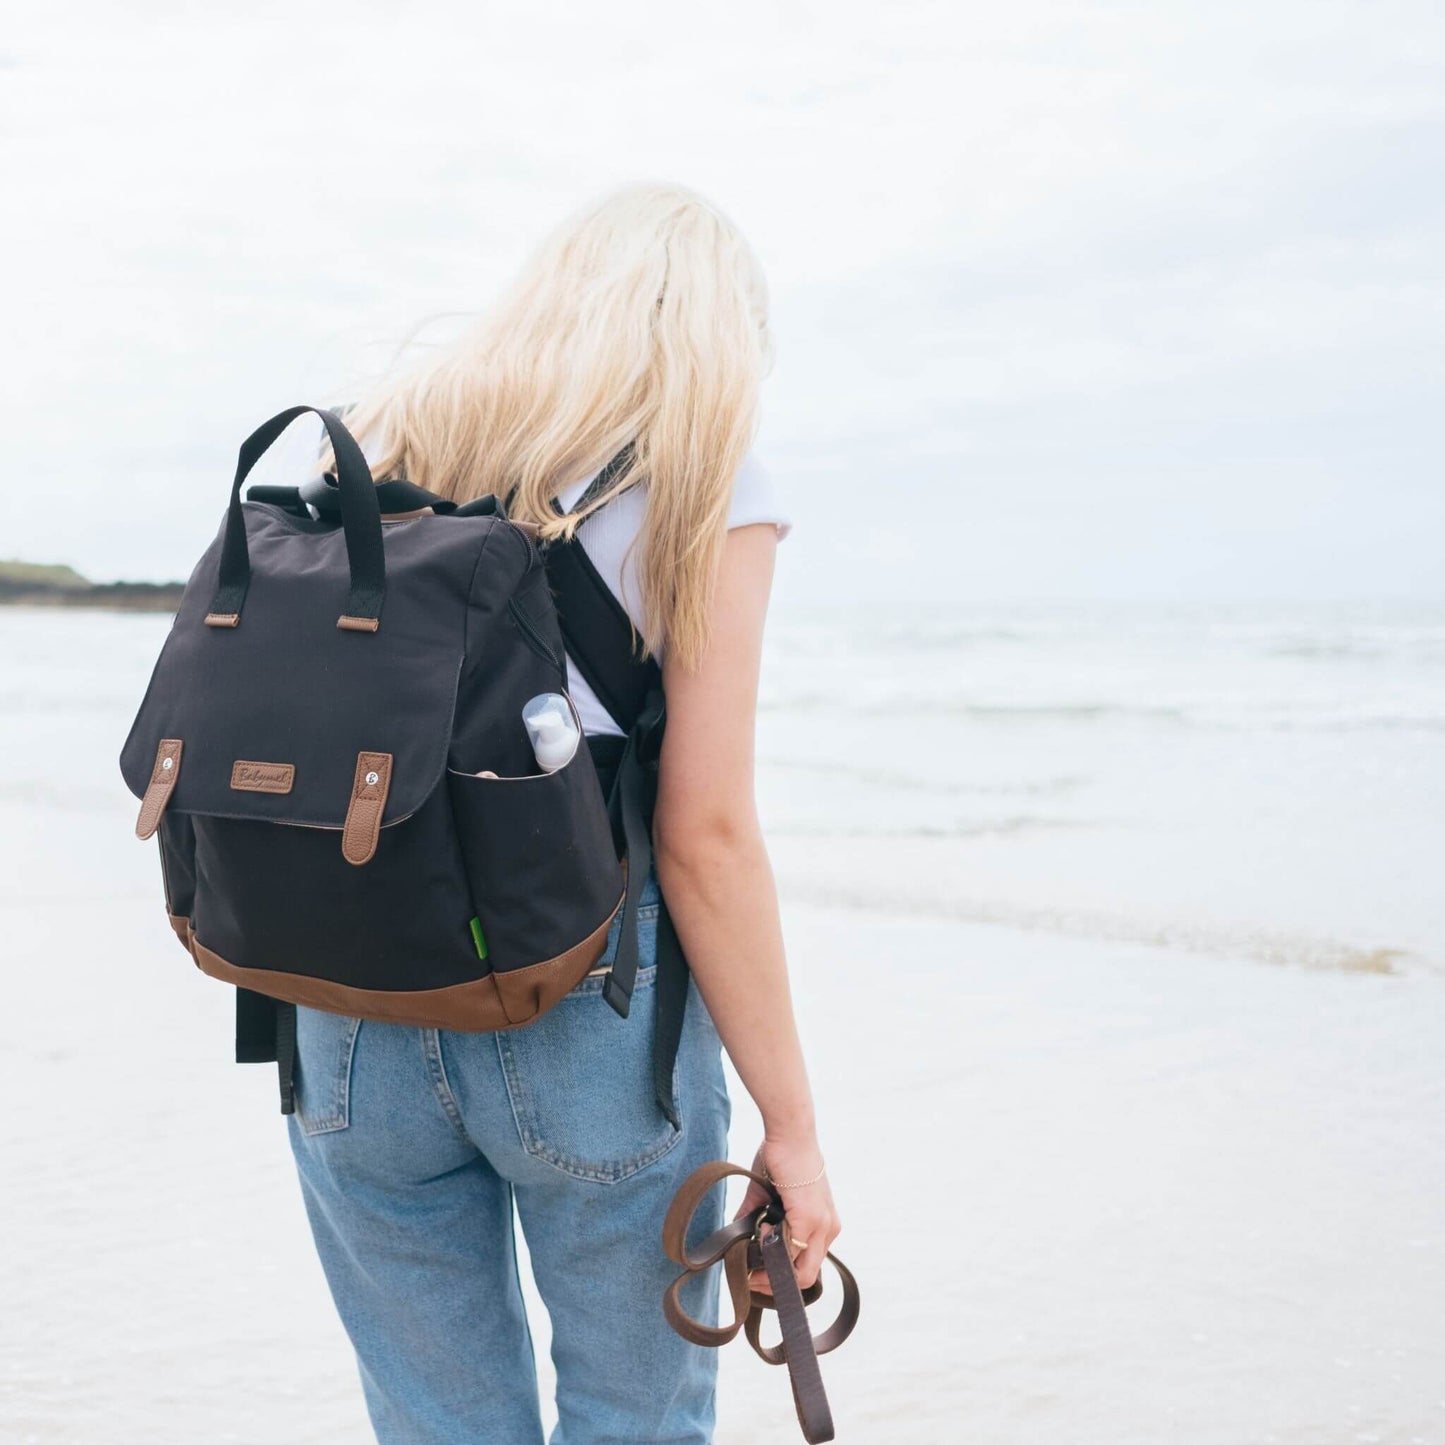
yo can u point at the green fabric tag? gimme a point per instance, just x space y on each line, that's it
478 939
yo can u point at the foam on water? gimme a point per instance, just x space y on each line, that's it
1256 782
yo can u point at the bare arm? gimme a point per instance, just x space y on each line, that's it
714 870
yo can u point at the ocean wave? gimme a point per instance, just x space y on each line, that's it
1328 650
888 706
1257 715
1059 711
1275 947
988 828
925 782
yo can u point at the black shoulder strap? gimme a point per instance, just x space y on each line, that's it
595 626
599 638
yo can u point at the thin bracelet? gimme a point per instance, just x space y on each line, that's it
768 1175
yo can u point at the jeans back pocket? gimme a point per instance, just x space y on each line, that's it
325 1045
580 1078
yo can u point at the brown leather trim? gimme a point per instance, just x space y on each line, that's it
369 787
475 1007
158 791
358 624
182 929
249 777
223 619
410 516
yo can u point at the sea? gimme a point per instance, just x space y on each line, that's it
1257 781
1117 943
1245 781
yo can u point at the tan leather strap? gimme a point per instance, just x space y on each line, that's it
158 791
369 787
758 1240
719 1247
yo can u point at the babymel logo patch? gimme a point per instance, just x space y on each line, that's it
249 777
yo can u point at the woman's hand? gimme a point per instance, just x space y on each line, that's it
796 1169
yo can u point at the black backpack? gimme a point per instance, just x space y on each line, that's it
343 663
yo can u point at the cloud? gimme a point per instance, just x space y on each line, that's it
1103 289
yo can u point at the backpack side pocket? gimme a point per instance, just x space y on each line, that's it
544 876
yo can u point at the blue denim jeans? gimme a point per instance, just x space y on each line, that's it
413 1147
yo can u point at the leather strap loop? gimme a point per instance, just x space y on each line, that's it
760 1239
166 770
362 829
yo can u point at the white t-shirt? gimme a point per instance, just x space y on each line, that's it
607 537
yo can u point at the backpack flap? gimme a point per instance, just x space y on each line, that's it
279 696
271 719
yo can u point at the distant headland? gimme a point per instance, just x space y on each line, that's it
34 584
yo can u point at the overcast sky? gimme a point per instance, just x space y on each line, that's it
1120 300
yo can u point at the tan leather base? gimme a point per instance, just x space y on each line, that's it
499 1001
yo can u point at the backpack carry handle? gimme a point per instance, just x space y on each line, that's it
360 520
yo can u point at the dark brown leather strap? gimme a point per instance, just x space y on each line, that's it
830 1338
758 1240
810 1399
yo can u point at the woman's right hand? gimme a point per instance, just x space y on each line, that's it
796 1169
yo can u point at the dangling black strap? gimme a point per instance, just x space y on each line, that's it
630 805
266 1033
286 1055
671 985
255 1027
631 818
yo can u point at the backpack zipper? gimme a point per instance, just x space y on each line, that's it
533 636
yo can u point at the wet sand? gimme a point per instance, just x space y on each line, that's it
1093 1193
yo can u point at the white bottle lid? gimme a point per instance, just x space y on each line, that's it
553 729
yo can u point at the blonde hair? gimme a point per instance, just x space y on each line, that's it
642 320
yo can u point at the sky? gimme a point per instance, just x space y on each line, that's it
1072 301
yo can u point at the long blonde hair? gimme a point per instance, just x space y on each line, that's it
642 320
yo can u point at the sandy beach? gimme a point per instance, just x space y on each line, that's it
1096 1189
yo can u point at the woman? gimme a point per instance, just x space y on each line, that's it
644 322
